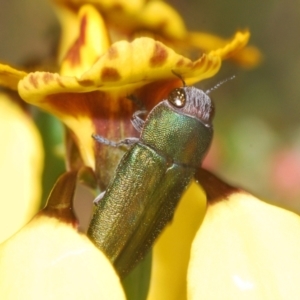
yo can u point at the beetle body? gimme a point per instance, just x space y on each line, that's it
152 176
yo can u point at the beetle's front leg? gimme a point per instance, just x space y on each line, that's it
136 121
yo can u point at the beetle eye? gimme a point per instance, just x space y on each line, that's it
177 97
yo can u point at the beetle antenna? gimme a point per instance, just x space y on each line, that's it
180 77
219 84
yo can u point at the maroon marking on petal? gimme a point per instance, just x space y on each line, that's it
112 53
216 190
180 62
83 25
118 7
189 64
110 74
47 77
60 201
201 62
85 82
33 80
159 56
209 64
73 55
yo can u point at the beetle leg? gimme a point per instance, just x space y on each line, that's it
126 142
138 122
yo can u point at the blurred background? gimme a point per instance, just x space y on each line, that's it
257 123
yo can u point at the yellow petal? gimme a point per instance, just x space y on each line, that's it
92 40
160 17
247 56
21 161
133 16
145 60
10 77
245 249
171 252
68 20
227 49
48 259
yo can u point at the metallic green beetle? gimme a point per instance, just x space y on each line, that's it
152 176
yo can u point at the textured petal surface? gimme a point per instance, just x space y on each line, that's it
48 259
21 163
246 249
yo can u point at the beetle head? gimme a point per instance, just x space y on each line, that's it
192 102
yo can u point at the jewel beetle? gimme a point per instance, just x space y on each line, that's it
151 177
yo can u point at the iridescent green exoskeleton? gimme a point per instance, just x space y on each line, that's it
152 175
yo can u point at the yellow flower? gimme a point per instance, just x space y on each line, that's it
21 162
143 67
90 95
